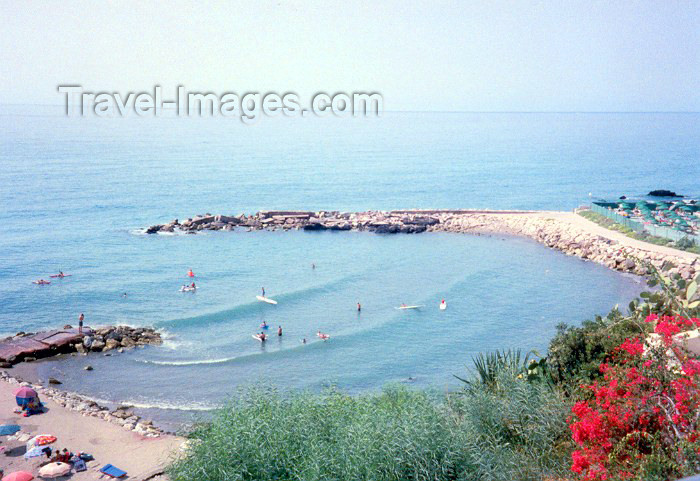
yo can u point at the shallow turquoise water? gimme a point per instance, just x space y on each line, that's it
75 191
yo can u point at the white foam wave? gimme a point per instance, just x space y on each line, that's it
161 405
188 363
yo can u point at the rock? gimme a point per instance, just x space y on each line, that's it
315 226
111 344
5 365
97 346
628 265
663 193
153 229
29 359
67 326
53 380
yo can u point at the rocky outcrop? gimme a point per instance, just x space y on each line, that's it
663 193
26 347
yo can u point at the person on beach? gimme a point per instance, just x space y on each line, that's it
81 318
359 307
279 331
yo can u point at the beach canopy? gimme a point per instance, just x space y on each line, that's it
8 429
25 393
54 470
19 476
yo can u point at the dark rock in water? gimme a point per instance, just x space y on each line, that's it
67 326
623 197
53 380
663 193
344 226
88 368
387 229
315 226
153 229
5 365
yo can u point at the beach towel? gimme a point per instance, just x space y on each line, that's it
112 471
8 429
79 465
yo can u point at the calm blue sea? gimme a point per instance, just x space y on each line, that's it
74 193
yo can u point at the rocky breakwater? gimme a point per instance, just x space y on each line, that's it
32 346
559 230
574 240
122 415
118 337
394 222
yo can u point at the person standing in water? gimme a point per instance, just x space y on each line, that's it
359 307
81 318
279 331
263 292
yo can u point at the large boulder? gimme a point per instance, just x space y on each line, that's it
315 226
663 193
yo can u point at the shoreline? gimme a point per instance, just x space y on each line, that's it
143 457
567 232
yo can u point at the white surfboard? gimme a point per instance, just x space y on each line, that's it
265 299
443 306
409 307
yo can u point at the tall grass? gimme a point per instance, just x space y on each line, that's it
398 434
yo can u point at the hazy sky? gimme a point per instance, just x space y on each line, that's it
459 55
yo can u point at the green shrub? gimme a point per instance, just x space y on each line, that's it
398 434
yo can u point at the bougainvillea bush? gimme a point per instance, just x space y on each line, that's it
640 421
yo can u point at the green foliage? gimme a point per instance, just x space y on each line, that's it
576 352
488 367
398 434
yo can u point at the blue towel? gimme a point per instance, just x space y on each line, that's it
8 429
112 471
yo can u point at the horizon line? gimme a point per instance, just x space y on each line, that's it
459 111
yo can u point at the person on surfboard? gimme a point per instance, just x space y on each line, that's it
263 292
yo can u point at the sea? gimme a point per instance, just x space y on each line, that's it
76 194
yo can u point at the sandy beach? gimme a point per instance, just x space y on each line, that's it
141 457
